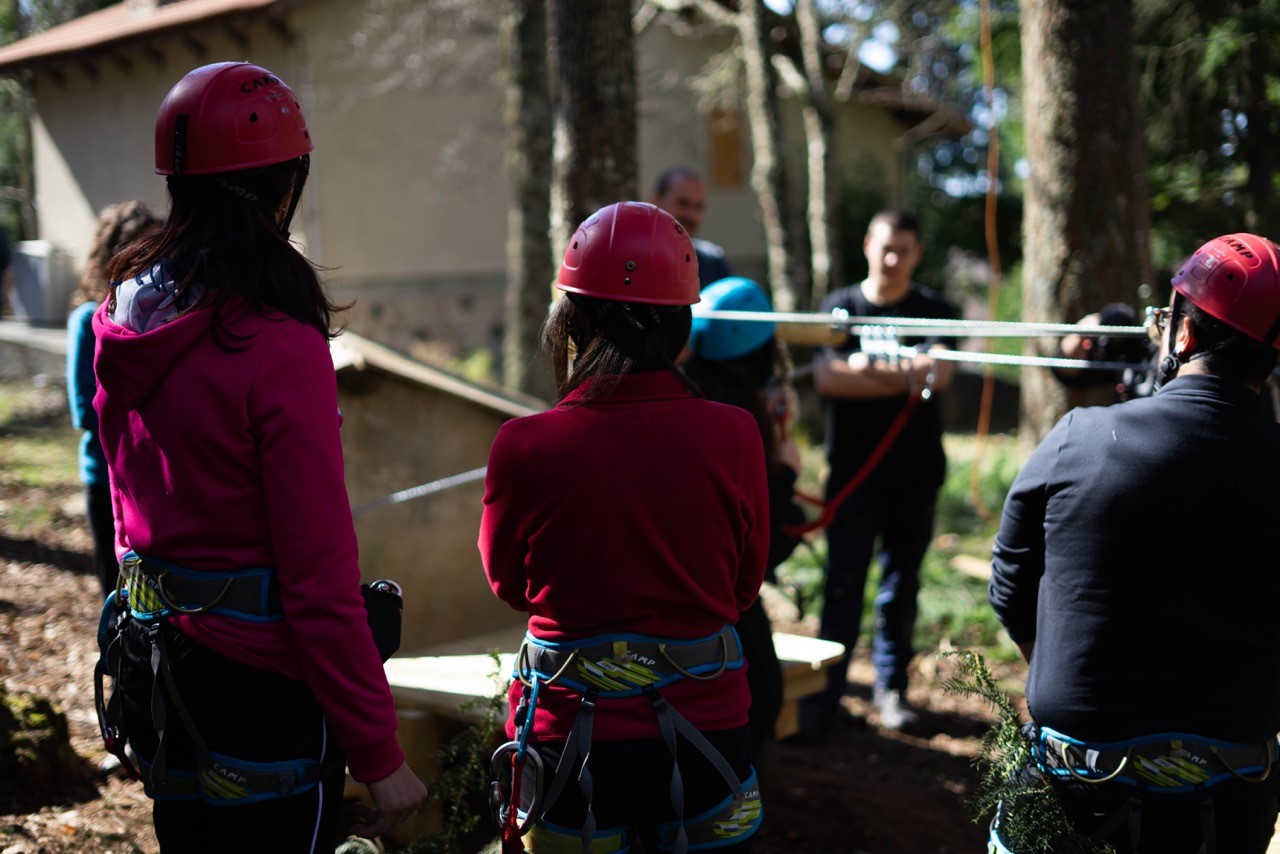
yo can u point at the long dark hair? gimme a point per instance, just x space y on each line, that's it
603 341
222 234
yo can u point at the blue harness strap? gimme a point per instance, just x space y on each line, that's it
608 667
155 588
149 590
1171 763
1164 763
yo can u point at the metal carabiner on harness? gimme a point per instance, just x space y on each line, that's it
197 609
508 756
724 661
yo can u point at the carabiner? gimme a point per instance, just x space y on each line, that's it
507 756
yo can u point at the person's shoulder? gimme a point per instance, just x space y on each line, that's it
707 249
844 297
81 317
931 300
727 419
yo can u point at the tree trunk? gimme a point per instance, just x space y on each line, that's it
1085 242
595 149
818 128
529 260
1258 140
768 170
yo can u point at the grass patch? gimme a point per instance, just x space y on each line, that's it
38 466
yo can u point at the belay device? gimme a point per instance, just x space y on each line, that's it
604 668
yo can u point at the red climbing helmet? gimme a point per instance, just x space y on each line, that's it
631 252
226 117
1236 279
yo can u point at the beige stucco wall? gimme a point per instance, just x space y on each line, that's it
407 202
397 434
93 134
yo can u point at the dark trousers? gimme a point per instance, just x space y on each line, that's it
102 527
1243 817
900 516
244 713
631 783
764 673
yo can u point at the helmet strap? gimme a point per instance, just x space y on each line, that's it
237 189
299 181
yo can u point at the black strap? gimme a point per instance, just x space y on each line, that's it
1208 827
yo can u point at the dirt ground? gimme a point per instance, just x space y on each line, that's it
858 790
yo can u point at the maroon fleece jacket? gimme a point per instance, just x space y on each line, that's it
646 512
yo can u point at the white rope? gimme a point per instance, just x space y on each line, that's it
428 488
944 355
969 328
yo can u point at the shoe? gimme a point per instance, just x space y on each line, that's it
894 712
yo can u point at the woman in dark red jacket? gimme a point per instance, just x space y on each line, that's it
632 518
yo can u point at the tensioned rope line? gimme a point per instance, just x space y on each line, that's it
423 489
976 328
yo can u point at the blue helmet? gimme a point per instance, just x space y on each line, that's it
719 340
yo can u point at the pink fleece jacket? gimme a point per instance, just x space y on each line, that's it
222 460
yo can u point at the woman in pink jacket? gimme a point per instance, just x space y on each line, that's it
244 667
631 522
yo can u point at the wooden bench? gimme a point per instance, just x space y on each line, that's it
448 683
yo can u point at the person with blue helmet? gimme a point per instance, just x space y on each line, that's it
740 362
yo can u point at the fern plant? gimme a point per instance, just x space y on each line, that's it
1031 818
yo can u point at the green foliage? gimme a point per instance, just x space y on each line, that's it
464 780
1031 819
477 365
952 606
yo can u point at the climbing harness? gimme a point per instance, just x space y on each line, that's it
148 590
604 668
1171 763
1155 765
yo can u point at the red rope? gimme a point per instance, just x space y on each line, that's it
511 841
868 466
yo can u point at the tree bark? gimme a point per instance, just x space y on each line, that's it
528 160
595 149
1084 223
768 170
819 124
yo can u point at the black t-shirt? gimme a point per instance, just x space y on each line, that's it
855 427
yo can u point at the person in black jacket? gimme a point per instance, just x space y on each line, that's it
1134 568
741 363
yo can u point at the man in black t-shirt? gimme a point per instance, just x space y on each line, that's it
895 505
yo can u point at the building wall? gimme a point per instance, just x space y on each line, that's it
406 208
397 434
93 133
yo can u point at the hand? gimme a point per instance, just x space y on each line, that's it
922 366
789 455
397 797
1075 346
